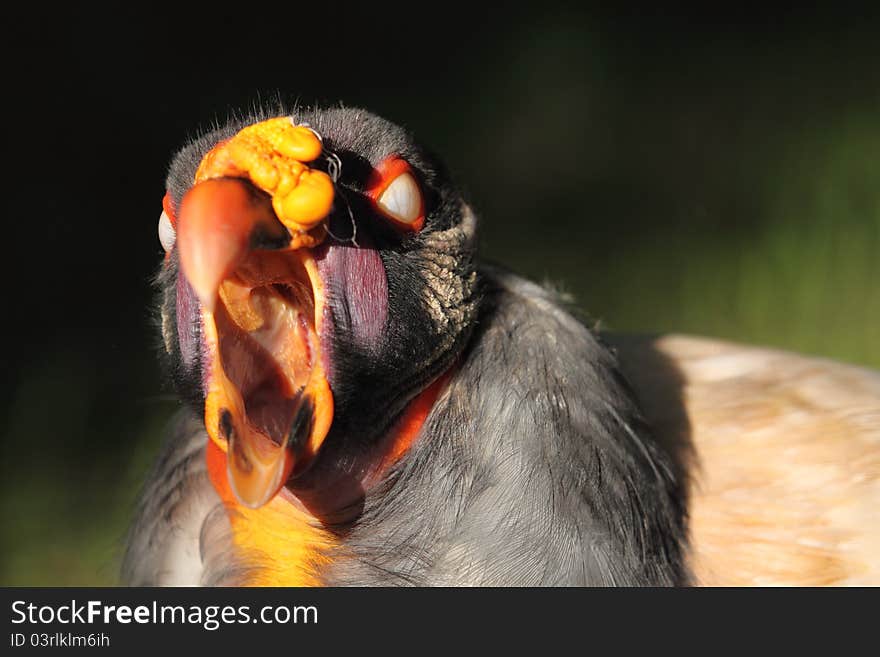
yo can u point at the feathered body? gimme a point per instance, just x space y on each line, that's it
783 455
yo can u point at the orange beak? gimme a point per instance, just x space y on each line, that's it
218 219
268 403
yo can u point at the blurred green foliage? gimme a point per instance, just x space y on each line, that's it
725 184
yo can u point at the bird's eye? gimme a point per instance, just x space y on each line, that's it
397 194
402 199
167 231
167 234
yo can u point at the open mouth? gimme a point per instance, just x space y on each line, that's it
267 343
268 402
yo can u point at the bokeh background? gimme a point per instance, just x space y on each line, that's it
717 175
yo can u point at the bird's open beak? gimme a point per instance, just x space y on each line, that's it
246 250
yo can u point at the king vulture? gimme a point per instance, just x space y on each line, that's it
367 403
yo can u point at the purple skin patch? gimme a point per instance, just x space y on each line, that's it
190 338
356 288
189 319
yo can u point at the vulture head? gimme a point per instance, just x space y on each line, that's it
370 404
318 279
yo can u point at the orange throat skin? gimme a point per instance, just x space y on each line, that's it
283 544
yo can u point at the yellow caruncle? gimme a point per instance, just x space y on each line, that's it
272 155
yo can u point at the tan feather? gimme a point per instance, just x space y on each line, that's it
782 452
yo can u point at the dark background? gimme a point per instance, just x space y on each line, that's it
717 175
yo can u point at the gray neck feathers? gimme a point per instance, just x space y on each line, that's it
534 468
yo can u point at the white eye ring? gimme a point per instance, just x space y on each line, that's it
402 199
167 235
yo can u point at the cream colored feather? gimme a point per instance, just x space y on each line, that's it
783 456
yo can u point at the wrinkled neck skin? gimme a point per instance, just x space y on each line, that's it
383 407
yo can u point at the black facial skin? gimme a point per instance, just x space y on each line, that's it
372 380
178 311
